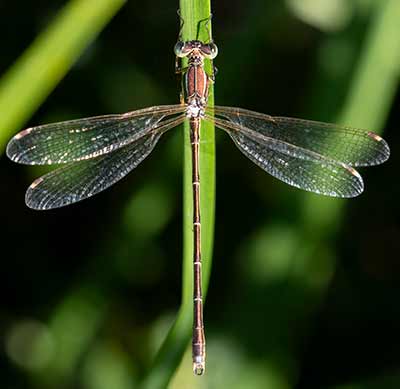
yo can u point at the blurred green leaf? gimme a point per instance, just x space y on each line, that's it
370 96
41 67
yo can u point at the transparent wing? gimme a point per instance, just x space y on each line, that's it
294 165
352 146
79 180
81 139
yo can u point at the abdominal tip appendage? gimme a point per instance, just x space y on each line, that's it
199 367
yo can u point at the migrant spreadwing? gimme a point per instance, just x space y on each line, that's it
96 152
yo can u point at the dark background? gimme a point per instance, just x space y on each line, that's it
296 299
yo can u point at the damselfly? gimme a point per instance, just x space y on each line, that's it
97 152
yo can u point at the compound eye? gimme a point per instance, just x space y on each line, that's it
179 49
211 50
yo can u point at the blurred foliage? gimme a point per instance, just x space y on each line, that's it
304 289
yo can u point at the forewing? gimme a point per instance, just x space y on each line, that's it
81 139
352 146
295 166
79 180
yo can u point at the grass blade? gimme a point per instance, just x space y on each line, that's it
41 67
176 342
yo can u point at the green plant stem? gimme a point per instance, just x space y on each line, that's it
41 67
175 344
